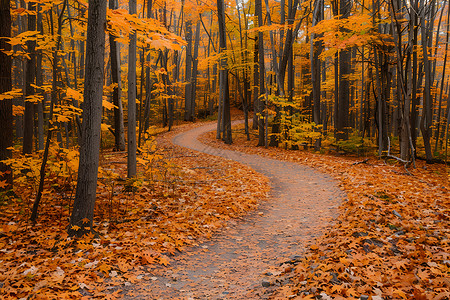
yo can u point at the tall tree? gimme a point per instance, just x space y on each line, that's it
316 49
342 121
188 113
6 117
30 74
261 106
119 134
83 209
427 22
224 85
132 146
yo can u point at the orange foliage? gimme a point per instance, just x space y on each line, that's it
391 238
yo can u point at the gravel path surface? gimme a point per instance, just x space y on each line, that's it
238 263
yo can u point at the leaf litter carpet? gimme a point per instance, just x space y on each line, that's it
243 259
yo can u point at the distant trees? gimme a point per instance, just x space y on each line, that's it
356 76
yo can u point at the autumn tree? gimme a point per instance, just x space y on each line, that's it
30 74
119 134
83 208
262 74
132 146
223 79
6 116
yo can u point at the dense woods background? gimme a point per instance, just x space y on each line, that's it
78 78
354 76
343 75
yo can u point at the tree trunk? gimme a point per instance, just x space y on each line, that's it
30 74
188 73
6 117
131 170
344 86
427 118
193 81
119 130
316 49
261 106
83 209
224 74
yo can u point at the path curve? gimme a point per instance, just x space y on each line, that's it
232 264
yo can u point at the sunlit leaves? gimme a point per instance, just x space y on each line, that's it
74 94
14 93
150 31
342 33
64 113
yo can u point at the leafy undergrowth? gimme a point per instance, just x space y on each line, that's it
184 197
391 240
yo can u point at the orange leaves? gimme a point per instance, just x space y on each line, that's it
148 257
164 260
341 33
390 240
3 184
188 197
121 24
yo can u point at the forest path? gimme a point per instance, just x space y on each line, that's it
232 264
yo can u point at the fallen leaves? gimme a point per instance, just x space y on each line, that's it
138 225
391 239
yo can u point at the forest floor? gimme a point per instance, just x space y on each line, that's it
241 261
179 199
390 239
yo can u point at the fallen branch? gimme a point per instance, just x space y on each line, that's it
405 162
360 162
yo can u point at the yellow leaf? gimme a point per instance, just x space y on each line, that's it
401 294
164 260
18 110
105 127
75 227
104 268
74 94
108 105
3 184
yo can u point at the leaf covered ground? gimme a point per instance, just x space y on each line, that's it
391 240
183 198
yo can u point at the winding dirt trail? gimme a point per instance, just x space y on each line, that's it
234 263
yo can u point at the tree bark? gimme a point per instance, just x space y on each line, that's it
224 74
119 130
83 209
261 106
316 49
30 74
132 146
344 86
188 73
6 117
